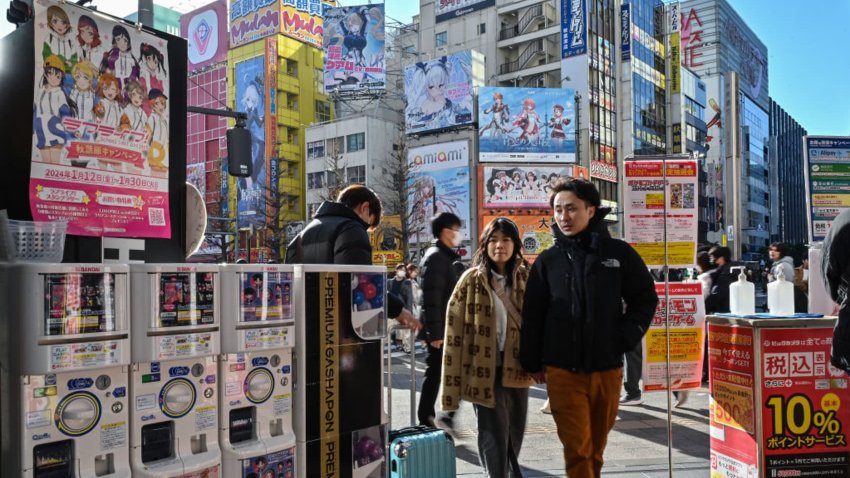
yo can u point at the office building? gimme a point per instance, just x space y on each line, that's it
787 177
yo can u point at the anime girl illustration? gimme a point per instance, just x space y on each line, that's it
120 60
59 38
51 106
501 113
426 203
253 105
528 122
429 104
152 72
83 74
88 40
108 110
133 117
351 32
557 122
157 128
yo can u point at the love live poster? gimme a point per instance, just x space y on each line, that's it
100 125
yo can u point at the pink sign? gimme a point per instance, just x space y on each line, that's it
206 31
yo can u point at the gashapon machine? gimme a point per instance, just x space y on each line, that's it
64 363
173 379
255 371
341 417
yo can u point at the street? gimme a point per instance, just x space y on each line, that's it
637 446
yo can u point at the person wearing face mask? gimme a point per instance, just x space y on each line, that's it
438 281
397 280
589 300
338 234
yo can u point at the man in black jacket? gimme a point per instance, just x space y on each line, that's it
836 272
721 279
338 235
589 299
438 281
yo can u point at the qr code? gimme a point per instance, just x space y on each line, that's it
156 216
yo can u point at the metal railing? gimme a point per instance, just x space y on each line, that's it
533 48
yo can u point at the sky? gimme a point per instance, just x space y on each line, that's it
807 75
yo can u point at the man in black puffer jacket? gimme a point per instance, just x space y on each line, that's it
836 274
589 299
338 235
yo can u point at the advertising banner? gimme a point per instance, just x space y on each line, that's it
804 404
685 311
648 200
250 98
354 49
516 186
448 9
438 93
526 124
439 182
279 464
675 63
271 149
715 158
625 32
302 20
100 140
827 160
731 407
196 176
251 20
206 30
573 28
386 242
535 230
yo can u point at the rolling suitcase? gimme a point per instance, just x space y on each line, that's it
421 452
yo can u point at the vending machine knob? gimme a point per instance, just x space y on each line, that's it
275 361
197 370
103 382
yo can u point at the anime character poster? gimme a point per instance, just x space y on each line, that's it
526 124
354 49
100 140
438 93
522 186
250 98
280 464
439 182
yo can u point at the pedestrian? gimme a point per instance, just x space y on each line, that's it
338 234
438 281
704 269
780 254
481 347
721 279
589 300
398 279
836 274
634 369
411 294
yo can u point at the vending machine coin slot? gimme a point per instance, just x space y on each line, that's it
157 441
54 460
242 424
199 443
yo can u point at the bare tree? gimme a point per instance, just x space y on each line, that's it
335 178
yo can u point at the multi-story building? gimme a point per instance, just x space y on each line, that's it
787 177
164 19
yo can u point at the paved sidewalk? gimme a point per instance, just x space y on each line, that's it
637 447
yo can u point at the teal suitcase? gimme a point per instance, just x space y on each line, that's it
422 452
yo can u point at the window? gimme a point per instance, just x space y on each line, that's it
334 146
319 80
323 111
316 180
333 178
315 149
355 142
292 101
482 28
442 39
312 208
291 67
355 175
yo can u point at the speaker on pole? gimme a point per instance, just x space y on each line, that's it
239 160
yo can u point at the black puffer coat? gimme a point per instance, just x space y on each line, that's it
836 271
335 236
439 277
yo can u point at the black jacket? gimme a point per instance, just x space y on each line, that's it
336 235
836 272
620 302
438 276
718 298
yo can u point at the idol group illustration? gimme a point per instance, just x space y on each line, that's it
101 101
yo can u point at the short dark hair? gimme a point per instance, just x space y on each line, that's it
444 220
400 266
357 194
582 188
703 262
782 248
412 268
721 251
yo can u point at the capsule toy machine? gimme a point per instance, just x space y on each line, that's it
255 371
174 374
64 370
341 414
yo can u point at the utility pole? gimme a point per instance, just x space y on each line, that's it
146 13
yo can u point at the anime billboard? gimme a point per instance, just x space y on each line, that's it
250 98
526 124
438 93
521 186
100 140
439 182
354 49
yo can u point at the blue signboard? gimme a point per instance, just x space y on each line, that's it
573 28
625 32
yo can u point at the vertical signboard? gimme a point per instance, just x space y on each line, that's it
573 28
648 200
354 49
302 20
251 98
206 31
100 141
251 20
625 32
675 63
827 162
715 159
271 149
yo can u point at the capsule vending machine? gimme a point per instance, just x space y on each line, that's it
64 365
255 372
174 375
340 409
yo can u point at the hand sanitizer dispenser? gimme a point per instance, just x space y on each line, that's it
742 295
780 296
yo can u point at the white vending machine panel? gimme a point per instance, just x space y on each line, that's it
67 381
256 372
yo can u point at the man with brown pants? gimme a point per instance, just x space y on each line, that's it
589 299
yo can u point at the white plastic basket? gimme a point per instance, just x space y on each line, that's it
37 241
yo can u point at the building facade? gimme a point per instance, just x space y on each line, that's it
787 177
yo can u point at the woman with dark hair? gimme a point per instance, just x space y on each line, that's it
481 347
120 60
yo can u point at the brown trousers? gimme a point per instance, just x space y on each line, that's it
584 406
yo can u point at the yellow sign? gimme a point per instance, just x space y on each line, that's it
831 200
386 242
685 345
675 63
652 253
732 405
